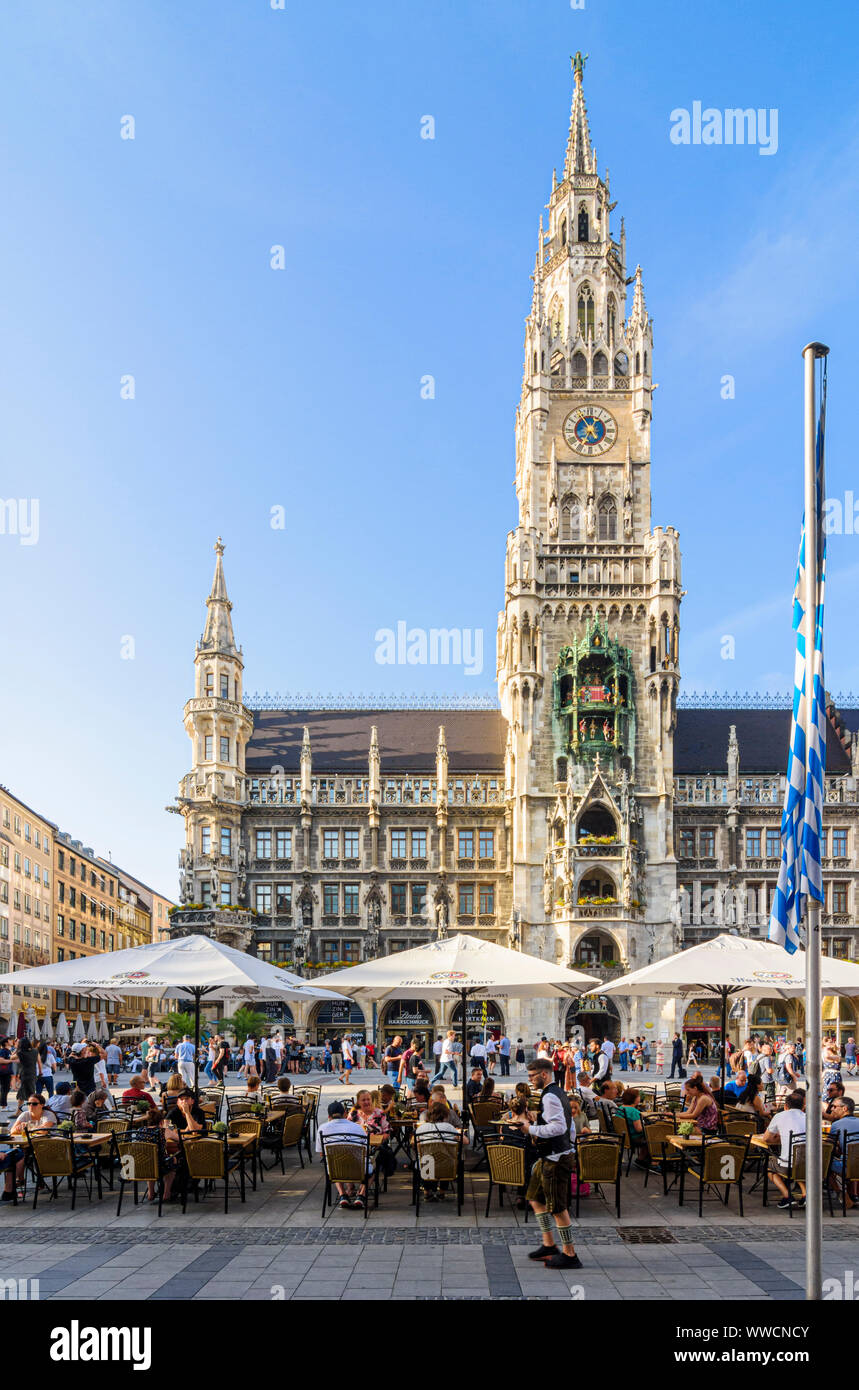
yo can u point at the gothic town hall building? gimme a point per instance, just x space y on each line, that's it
588 820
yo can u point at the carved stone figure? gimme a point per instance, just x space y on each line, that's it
553 518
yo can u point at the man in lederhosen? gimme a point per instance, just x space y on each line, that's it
549 1188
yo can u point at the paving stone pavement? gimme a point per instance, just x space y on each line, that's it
277 1247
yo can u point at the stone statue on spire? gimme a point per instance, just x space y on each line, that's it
577 63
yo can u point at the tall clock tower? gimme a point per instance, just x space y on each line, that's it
588 642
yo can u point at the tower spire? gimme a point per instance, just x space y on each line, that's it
218 632
581 158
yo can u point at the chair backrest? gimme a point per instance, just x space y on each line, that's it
53 1156
138 1159
655 1135
647 1097
206 1158
850 1155
722 1160
740 1124
605 1117
240 1107
599 1159
506 1163
293 1127
113 1124
483 1112
346 1159
251 1124
619 1126
438 1157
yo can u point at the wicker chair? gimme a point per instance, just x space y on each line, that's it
271 1138
238 1108
120 1125
138 1160
438 1160
54 1157
347 1160
740 1126
598 1161
296 1134
849 1166
209 1161
656 1154
508 1167
718 1163
250 1125
795 1171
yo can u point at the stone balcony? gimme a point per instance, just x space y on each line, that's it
233 927
605 973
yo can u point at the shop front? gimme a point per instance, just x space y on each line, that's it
702 1028
407 1019
481 1015
593 1016
335 1017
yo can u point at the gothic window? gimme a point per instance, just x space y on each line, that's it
210 683
583 229
645 363
611 315
621 364
580 366
586 312
563 231
637 363
607 520
570 519
535 362
600 364
559 365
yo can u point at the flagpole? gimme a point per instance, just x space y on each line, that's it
814 1146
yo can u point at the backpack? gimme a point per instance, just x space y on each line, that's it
783 1074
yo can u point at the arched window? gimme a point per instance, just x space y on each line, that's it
583 229
563 231
586 312
559 365
607 519
600 364
535 361
570 528
580 366
645 364
621 364
637 364
611 316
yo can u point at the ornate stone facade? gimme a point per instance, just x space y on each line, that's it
318 837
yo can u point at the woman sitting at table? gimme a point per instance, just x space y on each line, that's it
700 1106
387 1098
751 1100
488 1096
97 1104
437 1124
580 1119
371 1117
630 1109
34 1116
77 1114
421 1094
153 1133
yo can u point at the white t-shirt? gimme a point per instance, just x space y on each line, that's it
248 1051
478 1050
447 1050
785 1123
347 1051
351 1132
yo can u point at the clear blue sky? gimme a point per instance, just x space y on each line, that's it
300 388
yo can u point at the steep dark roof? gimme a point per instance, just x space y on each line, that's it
701 741
340 739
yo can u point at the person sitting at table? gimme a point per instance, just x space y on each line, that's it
630 1109
420 1093
76 1110
97 1104
845 1123
171 1092
438 1098
61 1101
369 1116
135 1091
34 1116
346 1131
437 1124
834 1092
284 1100
488 1094
700 1106
735 1087
186 1114
751 1101
253 1089
580 1119
607 1094
790 1120
153 1133
715 1089
588 1094
475 1085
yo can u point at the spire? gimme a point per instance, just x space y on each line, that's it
638 316
218 632
581 158
537 309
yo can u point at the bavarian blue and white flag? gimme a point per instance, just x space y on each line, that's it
801 822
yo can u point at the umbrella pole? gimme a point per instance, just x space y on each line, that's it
197 993
464 996
724 1048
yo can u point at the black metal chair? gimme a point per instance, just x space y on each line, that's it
208 1161
718 1163
598 1161
347 1160
54 1158
508 1167
438 1159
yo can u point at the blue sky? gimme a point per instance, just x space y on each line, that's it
300 388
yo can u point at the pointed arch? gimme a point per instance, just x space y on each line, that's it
580 364
607 518
611 318
600 364
621 364
571 518
583 224
585 314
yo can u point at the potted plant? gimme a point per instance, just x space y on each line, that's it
686 1127
66 1128
219 1129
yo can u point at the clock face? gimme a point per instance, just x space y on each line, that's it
590 430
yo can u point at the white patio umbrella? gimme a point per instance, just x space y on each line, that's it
187 968
733 967
78 1032
47 1028
102 1031
13 1023
466 967
62 1030
92 1028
